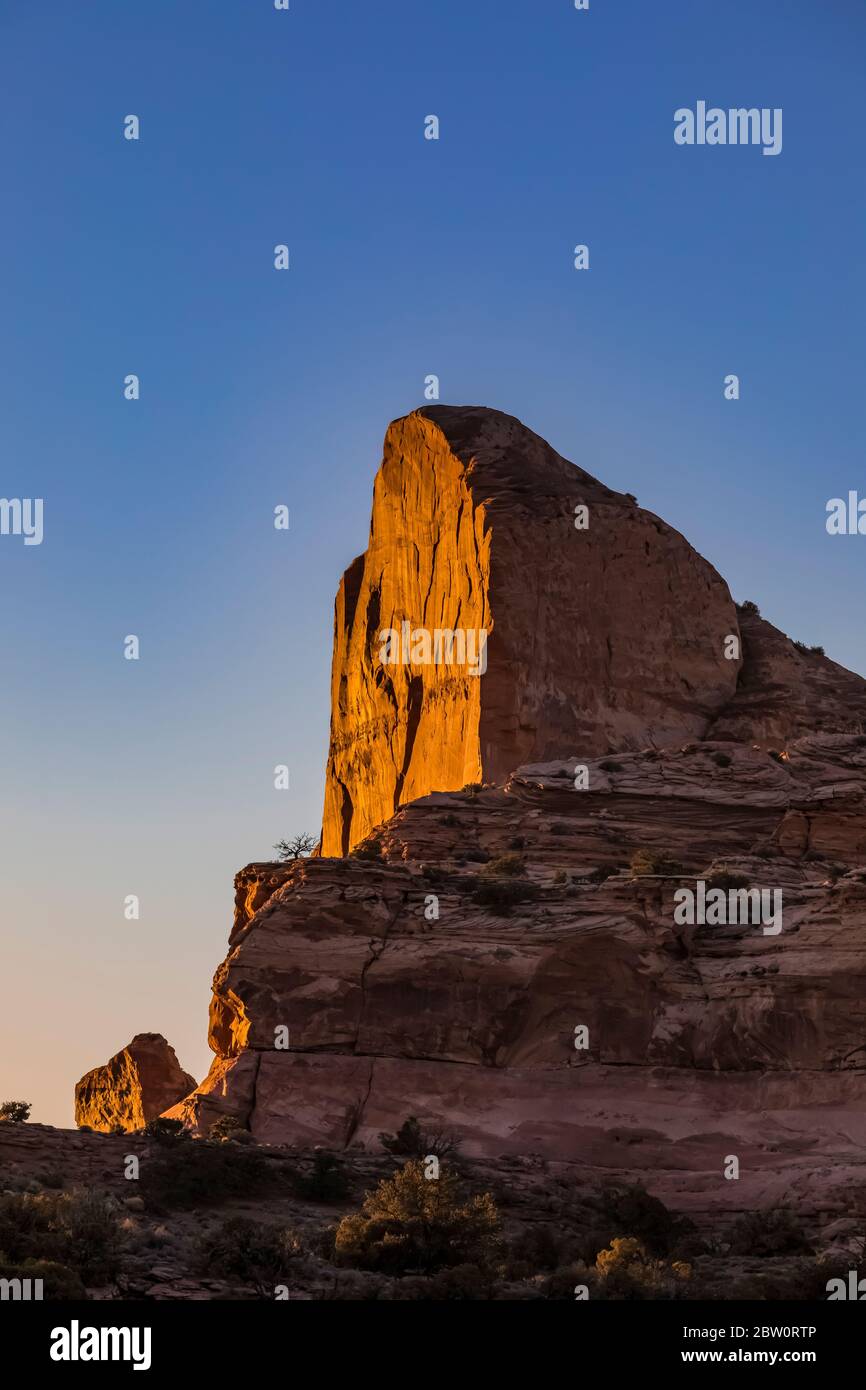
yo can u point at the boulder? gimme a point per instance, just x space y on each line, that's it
136 1085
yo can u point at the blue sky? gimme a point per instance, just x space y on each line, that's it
408 257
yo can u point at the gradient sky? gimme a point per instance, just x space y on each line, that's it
409 257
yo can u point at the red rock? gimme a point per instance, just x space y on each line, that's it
599 638
135 1086
704 1042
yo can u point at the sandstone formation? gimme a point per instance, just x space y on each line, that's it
443 967
598 638
135 1086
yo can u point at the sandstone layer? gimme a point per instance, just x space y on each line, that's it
135 1086
702 1042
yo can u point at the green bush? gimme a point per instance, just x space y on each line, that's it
464 1282
414 1223
506 866
79 1229
194 1172
503 894
649 862
226 1127
774 1231
370 848
16 1112
411 1141
327 1182
634 1212
725 878
721 759
627 1271
160 1128
247 1251
60 1283
539 1247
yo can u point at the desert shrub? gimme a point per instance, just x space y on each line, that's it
721 759
503 894
608 765
226 1127
774 1231
774 753
724 878
296 848
326 1181
77 1229
371 848
248 1251
473 787
632 1211
464 1282
450 819
160 1128
506 866
560 878
646 862
561 1284
411 1222
627 1271
517 842
54 1178
749 607
15 1112
538 1247
60 1283
191 1173
817 651
411 1141
476 855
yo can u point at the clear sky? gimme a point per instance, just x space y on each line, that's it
259 387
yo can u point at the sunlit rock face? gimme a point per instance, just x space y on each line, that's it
135 1086
601 635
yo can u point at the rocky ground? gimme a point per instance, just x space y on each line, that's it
200 1221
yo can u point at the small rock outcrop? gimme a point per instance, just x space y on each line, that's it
137 1084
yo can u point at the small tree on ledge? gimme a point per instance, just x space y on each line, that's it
16 1112
297 848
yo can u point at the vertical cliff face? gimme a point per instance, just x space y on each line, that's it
566 639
